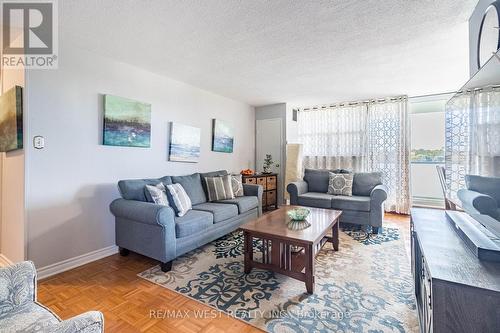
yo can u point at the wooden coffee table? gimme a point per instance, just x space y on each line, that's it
277 241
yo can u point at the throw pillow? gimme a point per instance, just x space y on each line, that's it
219 188
158 194
180 198
340 184
237 185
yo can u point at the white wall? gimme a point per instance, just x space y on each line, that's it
292 128
73 180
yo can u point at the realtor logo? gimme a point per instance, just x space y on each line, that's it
29 34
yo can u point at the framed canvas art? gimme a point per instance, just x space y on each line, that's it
185 143
126 122
222 137
11 120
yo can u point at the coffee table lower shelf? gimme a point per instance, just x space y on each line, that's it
277 255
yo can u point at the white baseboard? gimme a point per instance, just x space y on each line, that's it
4 261
71 263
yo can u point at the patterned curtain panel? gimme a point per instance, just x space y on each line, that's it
472 136
389 147
365 136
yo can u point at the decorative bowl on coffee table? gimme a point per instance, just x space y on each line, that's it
298 214
298 225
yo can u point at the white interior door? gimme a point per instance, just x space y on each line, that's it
269 140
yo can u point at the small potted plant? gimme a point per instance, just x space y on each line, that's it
268 164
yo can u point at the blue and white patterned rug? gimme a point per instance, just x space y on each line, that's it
364 287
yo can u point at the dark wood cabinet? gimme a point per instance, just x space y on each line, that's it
455 291
269 183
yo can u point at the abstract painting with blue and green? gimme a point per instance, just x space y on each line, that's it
222 137
126 122
185 143
11 119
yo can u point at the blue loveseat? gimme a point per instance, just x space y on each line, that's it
156 232
365 206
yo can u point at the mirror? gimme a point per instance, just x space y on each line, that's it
489 35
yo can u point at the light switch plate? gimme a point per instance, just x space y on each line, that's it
39 142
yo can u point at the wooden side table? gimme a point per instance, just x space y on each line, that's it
269 181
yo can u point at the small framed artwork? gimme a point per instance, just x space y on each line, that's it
11 120
126 122
222 137
185 143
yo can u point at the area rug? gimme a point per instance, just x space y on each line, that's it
364 287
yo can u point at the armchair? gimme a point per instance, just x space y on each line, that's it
20 311
482 196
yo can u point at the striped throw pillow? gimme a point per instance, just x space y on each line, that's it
180 199
219 188
158 194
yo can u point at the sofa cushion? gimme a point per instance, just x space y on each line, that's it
244 203
485 185
220 211
179 198
340 184
193 222
157 194
237 185
315 199
203 175
134 189
358 203
219 188
317 180
364 182
192 186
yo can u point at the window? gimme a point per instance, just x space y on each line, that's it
427 117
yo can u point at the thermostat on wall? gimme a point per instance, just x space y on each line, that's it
38 142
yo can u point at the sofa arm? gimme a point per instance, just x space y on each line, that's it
17 286
144 212
254 191
477 203
295 189
88 322
378 195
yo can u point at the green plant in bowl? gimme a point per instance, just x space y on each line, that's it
298 214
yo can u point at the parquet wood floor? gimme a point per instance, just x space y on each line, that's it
111 285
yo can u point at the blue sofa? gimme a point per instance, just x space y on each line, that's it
20 311
482 196
364 207
156 232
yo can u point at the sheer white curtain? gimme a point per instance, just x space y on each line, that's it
364 136
334 137
472 136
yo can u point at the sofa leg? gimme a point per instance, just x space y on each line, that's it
375 230
123 252
166 266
